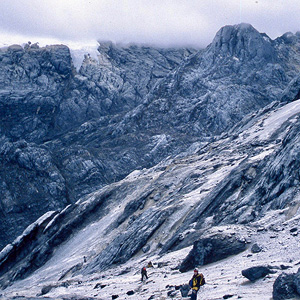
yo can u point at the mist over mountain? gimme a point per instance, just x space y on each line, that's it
142 152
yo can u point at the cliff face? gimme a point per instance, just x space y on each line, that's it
66 133
55 123
32 82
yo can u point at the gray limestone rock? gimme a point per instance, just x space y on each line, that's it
284 287
256 248
212 249
297 281
255 273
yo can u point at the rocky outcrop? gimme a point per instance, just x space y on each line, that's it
128 243
292 92
128 109
171 206
37 243
243 42
30 184
238 73
32 81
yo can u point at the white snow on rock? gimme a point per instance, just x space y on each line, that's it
78 49
272 122
78 52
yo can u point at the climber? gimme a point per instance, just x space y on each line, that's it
144 273
195 283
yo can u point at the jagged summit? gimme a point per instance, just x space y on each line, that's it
289 37
244 42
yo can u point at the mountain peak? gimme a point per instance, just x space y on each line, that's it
244 26
238 29
244 42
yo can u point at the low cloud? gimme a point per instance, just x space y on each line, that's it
160 22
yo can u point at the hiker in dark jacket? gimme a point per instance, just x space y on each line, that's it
195 283
144 273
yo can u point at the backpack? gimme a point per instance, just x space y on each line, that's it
202 281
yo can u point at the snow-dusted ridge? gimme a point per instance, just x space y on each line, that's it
78 49
272 122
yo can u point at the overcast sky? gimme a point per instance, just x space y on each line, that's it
160 22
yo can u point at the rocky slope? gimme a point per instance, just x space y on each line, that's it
235 187
67 133
67 145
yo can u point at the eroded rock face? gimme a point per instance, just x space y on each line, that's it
170 206
244 42
39 240
66 133
46 160
241 71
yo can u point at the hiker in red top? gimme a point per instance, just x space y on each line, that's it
195 283
144 273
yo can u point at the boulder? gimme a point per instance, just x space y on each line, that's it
46 289
146 248
256 248
211 249
184 290
255 273
284 287
292 92
130 293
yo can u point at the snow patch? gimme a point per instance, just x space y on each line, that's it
78 52
264 129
